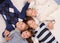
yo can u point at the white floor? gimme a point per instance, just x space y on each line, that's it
2 27
56 31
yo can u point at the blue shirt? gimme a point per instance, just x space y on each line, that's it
11 18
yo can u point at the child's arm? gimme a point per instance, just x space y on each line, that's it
9 28
6 34
23 12
7 19
7 38
9 35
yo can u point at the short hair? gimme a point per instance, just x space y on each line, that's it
28 18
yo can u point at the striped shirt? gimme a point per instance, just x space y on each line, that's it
44 35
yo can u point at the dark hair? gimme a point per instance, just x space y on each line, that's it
32 33
30 30
29 40
27 19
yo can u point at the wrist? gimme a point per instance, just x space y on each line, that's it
29 1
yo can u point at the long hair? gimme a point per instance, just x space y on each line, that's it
29 29
29 39
32 33
27 19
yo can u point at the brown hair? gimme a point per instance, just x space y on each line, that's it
27 19
29 29
32 33
29 40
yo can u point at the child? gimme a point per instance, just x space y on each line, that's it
41 32
16 36
33 13
11 17
27 34
44 8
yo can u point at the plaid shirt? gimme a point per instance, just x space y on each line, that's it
11 18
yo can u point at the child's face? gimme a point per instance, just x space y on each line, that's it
21 25
31 12
26 34
32 24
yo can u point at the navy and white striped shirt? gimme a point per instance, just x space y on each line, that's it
44 35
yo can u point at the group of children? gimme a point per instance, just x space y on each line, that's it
30 29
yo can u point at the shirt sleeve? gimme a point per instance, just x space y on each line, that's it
23 12
9 28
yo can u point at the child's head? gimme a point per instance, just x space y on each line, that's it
31 12
27 34
31 22
21 25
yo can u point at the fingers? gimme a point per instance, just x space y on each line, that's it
8 38
6 32
29 1
51 25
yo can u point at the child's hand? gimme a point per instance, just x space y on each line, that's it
29 1
6 33
7 38
50 25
